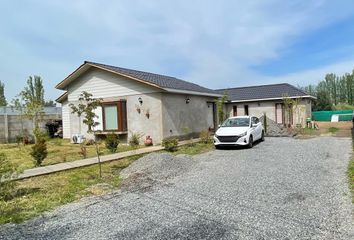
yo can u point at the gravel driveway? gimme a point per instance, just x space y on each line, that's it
281 189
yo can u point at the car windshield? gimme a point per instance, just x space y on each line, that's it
236 122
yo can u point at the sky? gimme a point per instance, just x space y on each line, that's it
216 44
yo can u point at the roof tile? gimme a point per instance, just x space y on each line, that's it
157 79
262 92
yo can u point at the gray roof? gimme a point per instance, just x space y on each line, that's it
157 79
262 92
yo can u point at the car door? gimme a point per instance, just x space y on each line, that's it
254 128
257 128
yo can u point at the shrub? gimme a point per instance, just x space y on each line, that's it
6 171
112 141
40 134
135 139
25 138
39 151
83 151
90 142
205 136
170 144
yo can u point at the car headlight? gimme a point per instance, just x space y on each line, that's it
243 134
215 135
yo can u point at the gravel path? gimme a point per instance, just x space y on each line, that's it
283 188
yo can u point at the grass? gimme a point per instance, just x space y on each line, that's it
59 150
39 194
195 148
333 130
351 175
315 132
309 131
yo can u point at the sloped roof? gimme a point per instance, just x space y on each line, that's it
263 92
157 80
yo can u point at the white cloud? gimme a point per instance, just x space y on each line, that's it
221 42
313 76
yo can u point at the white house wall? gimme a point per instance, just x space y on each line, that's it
66 119
102 84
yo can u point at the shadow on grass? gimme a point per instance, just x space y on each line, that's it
20 193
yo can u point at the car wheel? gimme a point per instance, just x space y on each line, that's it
262 138
250 142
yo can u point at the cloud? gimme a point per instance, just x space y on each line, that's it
212 43
313 76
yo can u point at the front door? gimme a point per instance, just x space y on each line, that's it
279 114
211 118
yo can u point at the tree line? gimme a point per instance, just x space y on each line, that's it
334 92
32 83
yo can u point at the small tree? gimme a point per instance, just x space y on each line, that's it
39 151
290 105
220 108
86 108
3 101
18 105
33 98
6 172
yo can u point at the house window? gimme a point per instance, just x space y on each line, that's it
234 111
246 110
115 116
110 117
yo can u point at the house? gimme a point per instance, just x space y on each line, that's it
269 99
137 102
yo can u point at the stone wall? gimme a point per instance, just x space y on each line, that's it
11 124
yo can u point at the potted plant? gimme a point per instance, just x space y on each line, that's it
148 141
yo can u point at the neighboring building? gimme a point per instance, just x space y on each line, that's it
13 124
269 99
137 102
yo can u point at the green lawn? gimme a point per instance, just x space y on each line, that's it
351 175
39 194
59 150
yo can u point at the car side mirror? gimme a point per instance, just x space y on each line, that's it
219 125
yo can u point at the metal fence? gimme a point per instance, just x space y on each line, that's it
326 116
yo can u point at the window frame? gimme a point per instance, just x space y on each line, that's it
121 106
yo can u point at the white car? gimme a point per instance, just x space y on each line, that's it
240 130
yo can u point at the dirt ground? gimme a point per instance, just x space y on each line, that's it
344 128
340 125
